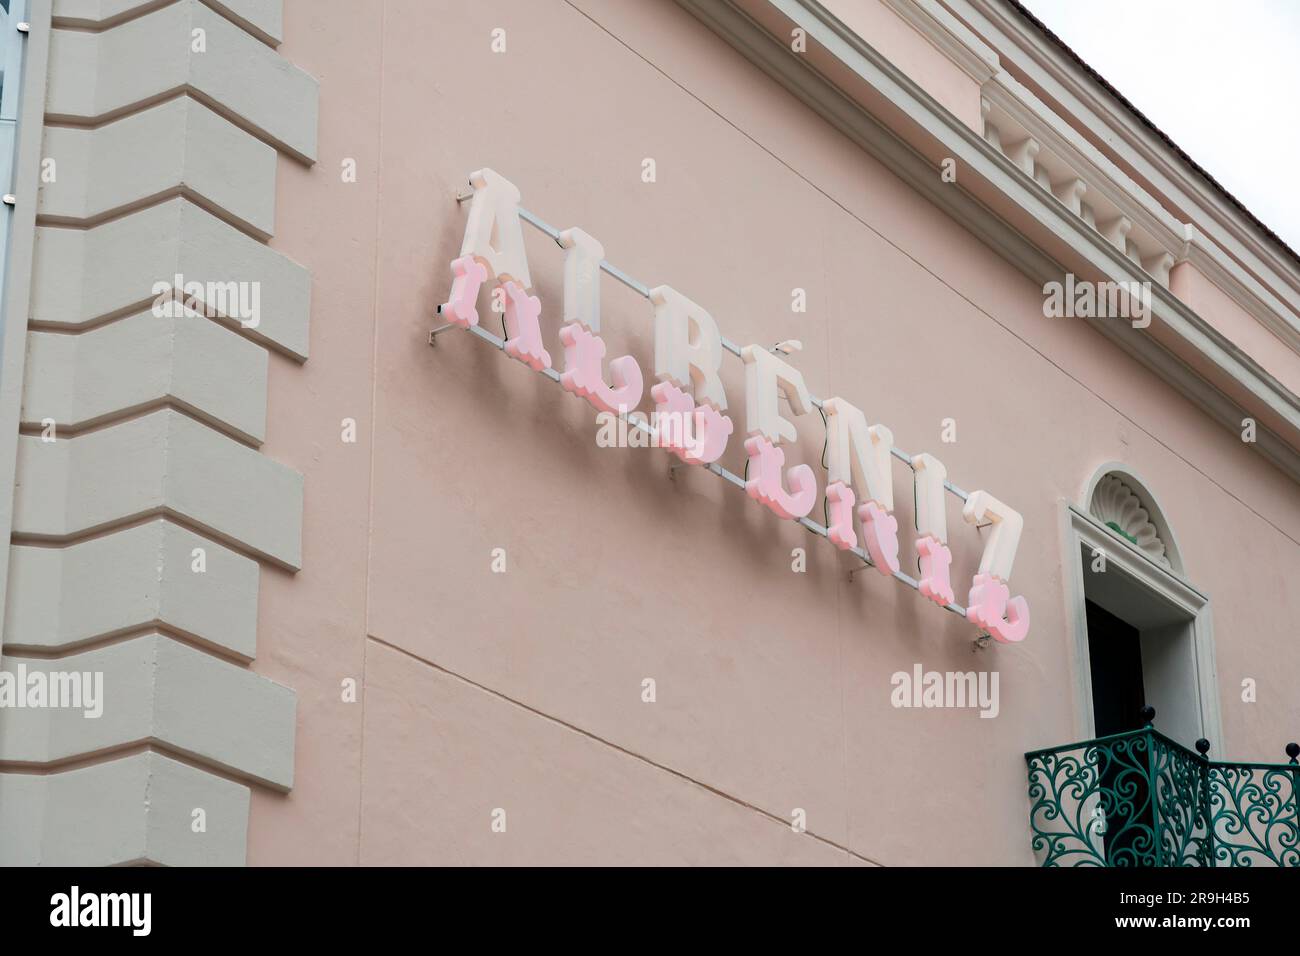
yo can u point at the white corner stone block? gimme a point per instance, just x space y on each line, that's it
80 275
98 75
139 577
156 690
179 144
188 360
136 809
161 463
262 18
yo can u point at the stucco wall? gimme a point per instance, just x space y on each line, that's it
347 679
522 690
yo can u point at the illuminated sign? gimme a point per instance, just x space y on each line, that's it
690 410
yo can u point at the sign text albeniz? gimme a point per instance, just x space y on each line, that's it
690 407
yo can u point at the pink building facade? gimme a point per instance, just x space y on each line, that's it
366 588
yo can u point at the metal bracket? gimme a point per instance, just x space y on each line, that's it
981 643
464 193
434 333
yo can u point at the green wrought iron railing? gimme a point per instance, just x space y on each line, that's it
1139 799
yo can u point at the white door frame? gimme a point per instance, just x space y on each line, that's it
1081 530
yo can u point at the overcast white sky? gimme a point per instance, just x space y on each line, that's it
1221 78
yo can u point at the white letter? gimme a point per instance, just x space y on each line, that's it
582 278
493 232
688 346
931 513
858 455
1000 549
767 377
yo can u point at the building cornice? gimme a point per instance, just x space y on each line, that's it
1081 176
921 132
1084 178
949 36
1245 248
1239 285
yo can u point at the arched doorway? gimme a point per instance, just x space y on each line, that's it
1142 631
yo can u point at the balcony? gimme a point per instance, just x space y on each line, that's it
1139 799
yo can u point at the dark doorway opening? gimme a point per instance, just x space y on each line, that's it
1118 696
1115 658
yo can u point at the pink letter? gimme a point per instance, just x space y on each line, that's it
841 531
987 604
764 483
672 407
936 559
468 274
697 434
1016 627
524 331
712 429
880 529
987 601
583 353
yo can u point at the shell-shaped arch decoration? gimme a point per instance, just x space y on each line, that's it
1116 506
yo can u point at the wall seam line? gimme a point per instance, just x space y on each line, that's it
604 741
374 400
